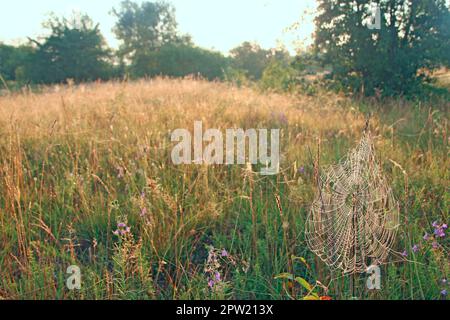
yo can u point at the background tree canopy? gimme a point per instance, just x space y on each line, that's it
74 50
414 37
145 28
412 41
179 60
13 61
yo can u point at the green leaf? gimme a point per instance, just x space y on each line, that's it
311 297
305 284
303 260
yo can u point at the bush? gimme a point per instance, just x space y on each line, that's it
180 60
279 76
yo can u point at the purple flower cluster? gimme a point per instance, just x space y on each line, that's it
415 248
439 230
215 280
438 233
215 268
122 229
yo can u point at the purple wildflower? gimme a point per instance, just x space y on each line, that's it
301 170
435 224
435 245
426 237
217 276
405 253
211 284
122 229
415 248
444 226
439 232
224 253
444 292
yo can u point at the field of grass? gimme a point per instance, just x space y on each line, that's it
77 161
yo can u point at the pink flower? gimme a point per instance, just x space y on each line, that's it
122 229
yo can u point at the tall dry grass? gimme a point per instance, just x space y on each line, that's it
76 161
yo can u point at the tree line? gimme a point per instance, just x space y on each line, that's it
413 39
151 45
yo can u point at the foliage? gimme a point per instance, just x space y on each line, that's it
279 76
179 60
237 77
12 61
253 59
145 28
75 49
414 36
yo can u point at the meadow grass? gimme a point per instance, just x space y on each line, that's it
76 161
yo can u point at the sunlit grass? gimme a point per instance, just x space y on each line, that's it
76 161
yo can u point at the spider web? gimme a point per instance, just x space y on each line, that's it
354 218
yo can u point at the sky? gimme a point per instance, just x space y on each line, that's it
214 24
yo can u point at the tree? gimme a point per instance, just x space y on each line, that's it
179 60
414 37
251 58
13 60
145 28
74 50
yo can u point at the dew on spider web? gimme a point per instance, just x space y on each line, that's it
353 220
